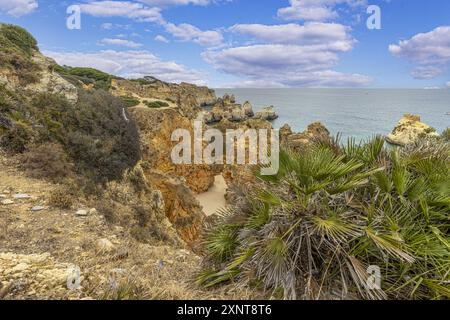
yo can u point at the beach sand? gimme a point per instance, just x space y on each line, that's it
214 198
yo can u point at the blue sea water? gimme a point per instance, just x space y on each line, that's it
359 113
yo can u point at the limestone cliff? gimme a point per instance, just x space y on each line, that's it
410 129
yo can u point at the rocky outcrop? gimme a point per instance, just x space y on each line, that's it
410 129
298 141
267 113
178 183
50 81
227 109
152 88
181 207
156 128
47 80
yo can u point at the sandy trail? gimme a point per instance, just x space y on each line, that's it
214 198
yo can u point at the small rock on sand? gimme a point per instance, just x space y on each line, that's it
21 196
104 245
7 202
81 213
37 208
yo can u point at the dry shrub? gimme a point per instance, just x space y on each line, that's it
47 161
62 198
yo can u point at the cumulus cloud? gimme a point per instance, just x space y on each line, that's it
188 32
285 65
428 52
121 42
18 8
165 3
128 9
130 64
332 34
161 38
150 11
448 84
315 10
289 55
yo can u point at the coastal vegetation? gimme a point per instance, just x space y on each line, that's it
87 76
333 212
156 104
16 47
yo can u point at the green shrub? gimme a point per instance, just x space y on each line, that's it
16 48
93 133
19 37
88 76
156 104
16 138
330 213
446 135
129 101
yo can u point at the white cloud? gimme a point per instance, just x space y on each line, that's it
289 55
150 11
285 65
429 52
188 32
315 10
448 84
121 42
334 35
161 38
166 3
17 8
127 9
130 64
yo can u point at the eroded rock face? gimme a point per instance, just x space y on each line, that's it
299 141
178 183
181 207
152 88
48 80
156 128
267 113
226 108
410 129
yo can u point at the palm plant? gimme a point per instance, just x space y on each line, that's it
331 214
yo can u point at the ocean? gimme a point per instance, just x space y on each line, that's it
359 113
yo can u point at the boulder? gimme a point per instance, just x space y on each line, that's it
299 141
410 129
267 113
248 109
104 246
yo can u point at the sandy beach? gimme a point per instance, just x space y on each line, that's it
214 198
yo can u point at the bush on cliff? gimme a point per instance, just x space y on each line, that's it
156 104
87 76
93 132
16 48
334 211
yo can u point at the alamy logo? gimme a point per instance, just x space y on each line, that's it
250 147
374 20
73 21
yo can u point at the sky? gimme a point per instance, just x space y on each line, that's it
248 43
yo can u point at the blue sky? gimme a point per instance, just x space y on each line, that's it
249 43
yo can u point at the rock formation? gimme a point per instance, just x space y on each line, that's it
299 141
267 113
227 109
150 87
409 129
